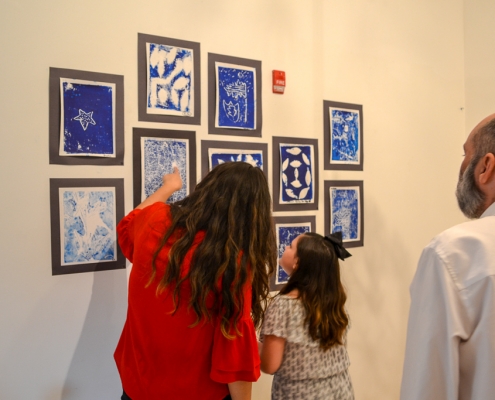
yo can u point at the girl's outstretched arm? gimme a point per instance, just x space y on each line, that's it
272 353
171 183
240 390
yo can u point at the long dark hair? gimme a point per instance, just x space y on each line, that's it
317 278
232 205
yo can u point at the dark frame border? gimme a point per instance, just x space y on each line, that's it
277 206
326 136
55 185
217 144
327 185
54 117
212 84
138 133
143 84
288 220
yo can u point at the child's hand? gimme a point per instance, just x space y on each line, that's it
173 180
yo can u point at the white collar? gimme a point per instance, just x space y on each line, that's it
490 211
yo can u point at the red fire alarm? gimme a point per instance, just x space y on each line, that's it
278 82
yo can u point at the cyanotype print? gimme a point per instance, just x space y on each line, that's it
344 212
170 80
87 116
344 136
236 96
159 156
87 225
296 173
286 233
220 156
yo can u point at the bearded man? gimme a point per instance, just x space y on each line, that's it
450 350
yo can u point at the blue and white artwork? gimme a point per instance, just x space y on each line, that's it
159 156
220 156
286 233
170 72
236 96
87 225
344 136
344 212
296 173
87 118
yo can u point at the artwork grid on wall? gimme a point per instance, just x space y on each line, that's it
234 96
344 211
295 174
155 153
169 80
84 214
215 152
86 118
343 136
286 230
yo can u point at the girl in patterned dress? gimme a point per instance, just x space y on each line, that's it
304 331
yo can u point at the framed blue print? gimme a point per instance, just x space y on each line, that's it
84 214
87 126
295 177
218 152
86 118
343 134
344 211
234 96
286 230
169 86
156 152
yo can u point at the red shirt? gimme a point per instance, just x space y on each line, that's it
159 356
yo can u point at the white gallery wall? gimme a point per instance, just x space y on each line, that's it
404 61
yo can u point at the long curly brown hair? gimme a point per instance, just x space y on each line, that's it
232 205
317 279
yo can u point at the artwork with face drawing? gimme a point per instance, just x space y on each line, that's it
236 96
220 156
343 136
87 115
84 214
296 178
344 210
159 156
170 80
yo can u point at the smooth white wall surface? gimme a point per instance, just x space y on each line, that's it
402 60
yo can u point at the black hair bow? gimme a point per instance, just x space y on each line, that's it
336 240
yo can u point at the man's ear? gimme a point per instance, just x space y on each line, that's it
486 169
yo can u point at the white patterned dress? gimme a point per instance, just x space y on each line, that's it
307 372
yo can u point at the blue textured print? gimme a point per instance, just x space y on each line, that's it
236 98
159 158
286 233
344 204
223 156
88 127
297 179
344 136
170 81
88 226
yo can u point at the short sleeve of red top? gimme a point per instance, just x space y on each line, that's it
159 354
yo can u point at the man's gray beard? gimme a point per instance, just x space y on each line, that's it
469 197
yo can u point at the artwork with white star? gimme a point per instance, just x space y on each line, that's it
220 156
87 118
235 96
170 73
344 136
159 156
296 173
87 225
345 212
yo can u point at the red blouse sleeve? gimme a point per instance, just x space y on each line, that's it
236 359
125 234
